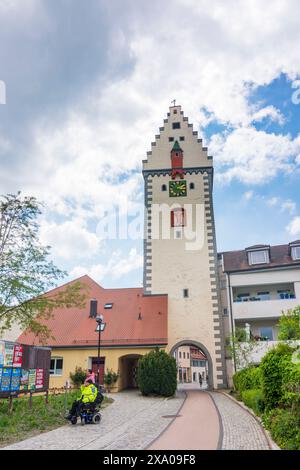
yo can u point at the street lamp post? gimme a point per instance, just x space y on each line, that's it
100 327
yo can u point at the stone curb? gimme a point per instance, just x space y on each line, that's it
271 443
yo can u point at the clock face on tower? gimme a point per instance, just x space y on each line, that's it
177 188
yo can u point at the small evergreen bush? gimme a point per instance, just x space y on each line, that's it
157 374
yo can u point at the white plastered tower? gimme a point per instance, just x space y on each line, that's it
188 276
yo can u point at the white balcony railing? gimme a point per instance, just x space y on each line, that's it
256 352
262 309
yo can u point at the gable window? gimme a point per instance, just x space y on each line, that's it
171 139
258 257
181 138
185 293
164 187
56 366
175 111
176 125
296 252
178 218
192 185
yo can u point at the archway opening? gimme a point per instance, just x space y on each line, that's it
128 371
194 369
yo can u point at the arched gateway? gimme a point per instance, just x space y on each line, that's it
180 254
206 370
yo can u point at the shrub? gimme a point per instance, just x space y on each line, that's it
291 386
247 379
157 374
78 377
289 325
254 399
110 378
284 426
272 368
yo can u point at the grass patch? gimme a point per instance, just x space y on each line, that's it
23 423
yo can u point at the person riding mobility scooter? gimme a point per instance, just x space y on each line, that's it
87 408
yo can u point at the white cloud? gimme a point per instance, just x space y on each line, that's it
70 240
289 206
211 64
117 266
253 157
249 195
293 227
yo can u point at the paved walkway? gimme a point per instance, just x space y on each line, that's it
196 427
206 420
131 422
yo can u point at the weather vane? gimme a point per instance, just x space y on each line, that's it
174 102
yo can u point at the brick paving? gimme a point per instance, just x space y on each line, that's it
240 430
134 422
131 422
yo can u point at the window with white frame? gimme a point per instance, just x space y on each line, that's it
56 366
296 252
258 257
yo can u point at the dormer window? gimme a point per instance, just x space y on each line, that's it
295 250
258 257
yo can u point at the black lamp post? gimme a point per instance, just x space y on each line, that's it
100 327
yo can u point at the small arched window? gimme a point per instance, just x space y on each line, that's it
164 187
192 185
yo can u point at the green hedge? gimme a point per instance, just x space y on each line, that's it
284 426
247 379
254 399
157 374
273 366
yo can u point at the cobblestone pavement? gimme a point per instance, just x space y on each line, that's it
131 422
240 430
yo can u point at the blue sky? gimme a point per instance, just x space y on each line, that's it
88 86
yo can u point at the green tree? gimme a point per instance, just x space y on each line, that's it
289 325
26 273
157 374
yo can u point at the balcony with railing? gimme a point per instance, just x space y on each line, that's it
267 301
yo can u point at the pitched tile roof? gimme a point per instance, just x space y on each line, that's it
280 255
74 328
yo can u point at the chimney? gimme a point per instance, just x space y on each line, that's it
93 308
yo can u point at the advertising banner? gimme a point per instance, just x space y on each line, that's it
9 354
15 380
2 353
24 380
31 379
6 379
1 370
39 380
18 355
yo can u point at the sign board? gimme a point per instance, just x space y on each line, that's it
24 380
9 354
6 379
23 368
15 380
31 379
39 379
18 355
